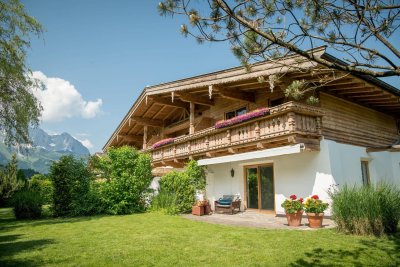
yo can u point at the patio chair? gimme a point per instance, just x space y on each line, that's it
227 204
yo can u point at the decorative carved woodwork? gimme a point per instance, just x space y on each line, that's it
281 127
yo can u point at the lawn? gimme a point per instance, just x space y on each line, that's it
152 239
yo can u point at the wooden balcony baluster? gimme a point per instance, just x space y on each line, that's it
285 122
291 121
318 125
257 129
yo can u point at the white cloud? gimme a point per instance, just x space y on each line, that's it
60 100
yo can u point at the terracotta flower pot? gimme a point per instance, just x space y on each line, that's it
315 219
198 210
294 219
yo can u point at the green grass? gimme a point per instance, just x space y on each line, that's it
153 239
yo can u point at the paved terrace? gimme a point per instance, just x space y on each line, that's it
255 219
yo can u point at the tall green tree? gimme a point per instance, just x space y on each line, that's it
266 29
9 182
18 106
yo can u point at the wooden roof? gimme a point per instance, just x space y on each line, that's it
155 108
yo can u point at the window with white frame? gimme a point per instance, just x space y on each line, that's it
365 172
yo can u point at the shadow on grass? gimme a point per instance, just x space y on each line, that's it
10 246
8 221
358 254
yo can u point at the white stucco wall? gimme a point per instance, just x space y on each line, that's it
385 166
307 173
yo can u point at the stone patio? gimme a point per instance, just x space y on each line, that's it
255 219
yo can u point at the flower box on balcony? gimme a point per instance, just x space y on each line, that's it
242 118
163 142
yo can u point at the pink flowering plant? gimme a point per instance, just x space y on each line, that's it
163 142
293 204
314 205
242 118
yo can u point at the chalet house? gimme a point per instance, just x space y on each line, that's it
263 146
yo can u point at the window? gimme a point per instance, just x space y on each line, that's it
365 172
231 114
276 102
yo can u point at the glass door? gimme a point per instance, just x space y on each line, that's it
267 188
252 188
260 188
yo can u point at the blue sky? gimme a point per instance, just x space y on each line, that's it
110 50
97 56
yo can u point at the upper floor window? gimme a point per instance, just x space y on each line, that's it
365 172
276 102
234 113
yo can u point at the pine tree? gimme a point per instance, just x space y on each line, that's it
9 182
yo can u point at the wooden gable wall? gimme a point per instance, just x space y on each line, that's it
350 123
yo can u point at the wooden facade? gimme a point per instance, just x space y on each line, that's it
355 110
351 123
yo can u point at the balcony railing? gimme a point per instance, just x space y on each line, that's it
289 119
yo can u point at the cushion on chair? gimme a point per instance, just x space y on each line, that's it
226 200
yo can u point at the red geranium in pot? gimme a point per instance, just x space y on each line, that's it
294 210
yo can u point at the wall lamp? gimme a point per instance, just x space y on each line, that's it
232 172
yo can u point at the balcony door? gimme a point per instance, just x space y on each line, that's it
259 184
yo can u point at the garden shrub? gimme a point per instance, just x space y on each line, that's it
366 210
71 180
180 185
164 202
27 204
196 175
123 180
43 185
183 186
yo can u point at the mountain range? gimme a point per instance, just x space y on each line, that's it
45 149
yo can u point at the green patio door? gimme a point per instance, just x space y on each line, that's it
260 188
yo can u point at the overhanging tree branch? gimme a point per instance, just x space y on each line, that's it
259 29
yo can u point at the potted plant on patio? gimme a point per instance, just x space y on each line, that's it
315 208
294 210
198 208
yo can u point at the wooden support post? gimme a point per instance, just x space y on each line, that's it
292 121
145 137
191 118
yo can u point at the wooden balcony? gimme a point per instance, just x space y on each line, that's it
289 123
